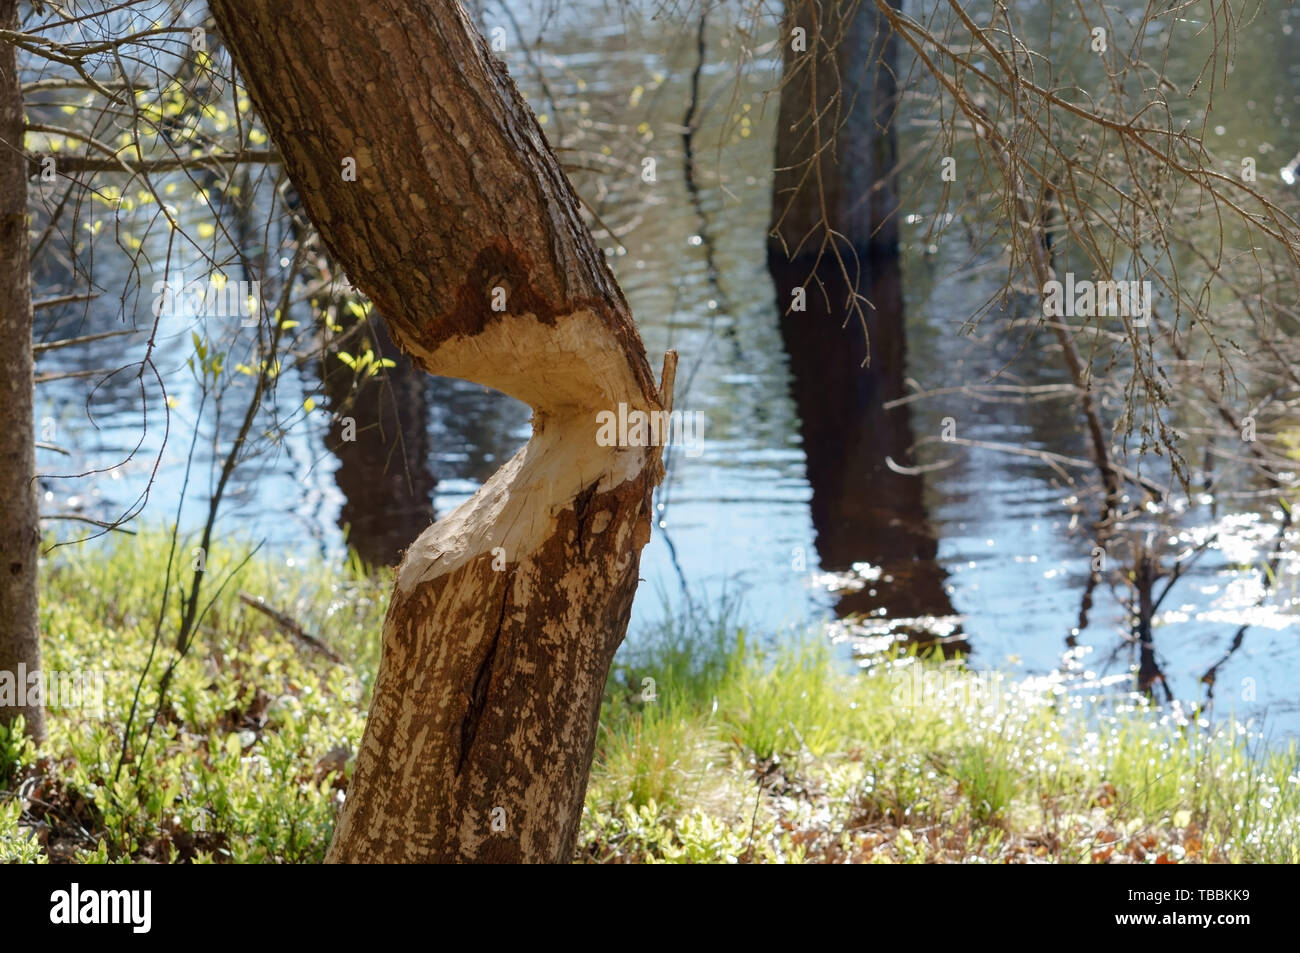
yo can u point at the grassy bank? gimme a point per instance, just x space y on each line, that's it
715 745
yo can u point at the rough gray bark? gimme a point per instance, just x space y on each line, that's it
507 612
19 517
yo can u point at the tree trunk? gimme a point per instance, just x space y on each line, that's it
836 150
862 508
379 433
506 614
20 537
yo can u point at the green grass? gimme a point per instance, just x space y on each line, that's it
715 745
773 752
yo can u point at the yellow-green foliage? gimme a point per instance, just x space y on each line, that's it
239 763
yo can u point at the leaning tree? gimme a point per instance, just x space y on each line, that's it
430 181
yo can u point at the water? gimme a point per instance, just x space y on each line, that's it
738 521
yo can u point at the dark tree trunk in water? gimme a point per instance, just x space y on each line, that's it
20 537
507 612
838 98
862 510
379 433
379 422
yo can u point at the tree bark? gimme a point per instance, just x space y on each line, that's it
20 536
506 613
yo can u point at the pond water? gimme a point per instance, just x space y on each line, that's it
986 538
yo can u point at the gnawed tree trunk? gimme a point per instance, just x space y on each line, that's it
506 614
20 535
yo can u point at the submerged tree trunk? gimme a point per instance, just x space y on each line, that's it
836 150
379 433
506 613
863 509
20 645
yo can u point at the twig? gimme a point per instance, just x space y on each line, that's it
287 625
86 519
65 299
68 375
73 342
68 163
